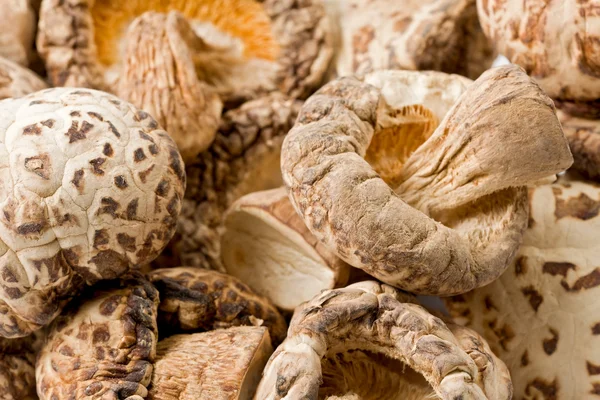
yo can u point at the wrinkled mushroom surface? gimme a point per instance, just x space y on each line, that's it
195 299
558 43
430 208
103 347
542 316
439 35
584 141
18 30
17 81
371 340
244 158
267 245
90 187
224 364
17 367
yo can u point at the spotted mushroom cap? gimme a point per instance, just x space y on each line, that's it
542 315
18 30
396 346
90 188
584 140
17 367
17 81
557 43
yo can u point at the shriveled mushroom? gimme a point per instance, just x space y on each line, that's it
17 81
104 347
542 316
558 43
370 341
440 35
225 364
195 299
584 140
244 158
90 187
18 30
268 247
441 208
17 367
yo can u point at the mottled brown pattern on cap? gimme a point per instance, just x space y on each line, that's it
521 266
40 165
535 298
581 207
525 359
550 344
548 390
361 40
558 268
593 369
596 329
587 281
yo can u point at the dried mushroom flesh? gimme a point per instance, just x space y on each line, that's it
90 188
18 31
267 246
17 367
436 211
370 341
244 158
557 43
225 364
439 35
17 81
584 140
104 346
195 299
541 317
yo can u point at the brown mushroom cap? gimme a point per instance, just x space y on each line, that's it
557 43
375 328
584 140
17 81
17 367
541 317
267 246
439 35
456 217
195 299
18 31
221 364
103 347
90 187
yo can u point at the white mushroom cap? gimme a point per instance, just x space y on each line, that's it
18 30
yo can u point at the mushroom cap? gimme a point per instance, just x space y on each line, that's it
584 140
558 43
17 81
456 216
17 367
18 31
195 299
268 247
91 187
439 35
541 317
378 329
104 346
221 364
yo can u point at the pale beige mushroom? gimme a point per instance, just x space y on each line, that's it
225 364
584 139
17 367
244 158
195 299
441 209
17 81
104 346
542 316
440 35
90 187
267 246
18 30
370 341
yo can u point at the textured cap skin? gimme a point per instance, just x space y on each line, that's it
456 217
17 81
17 367
91 187
18 31
584 140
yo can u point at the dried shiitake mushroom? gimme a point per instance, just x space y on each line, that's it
17 367
17 81
440 35
224 364
195 299
103 347
90 187
370 341
557 43
541 317
267 245
584 139
244 158
18 30
430 207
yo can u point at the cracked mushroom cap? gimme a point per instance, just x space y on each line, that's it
17 367
558 43
584 140
103 347
420 178
90 188
439 35
18 30
17 81
195 299
267 246
541 317
370 341
244 158
218 365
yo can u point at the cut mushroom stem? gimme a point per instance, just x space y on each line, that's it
268 247
455 213
360 340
